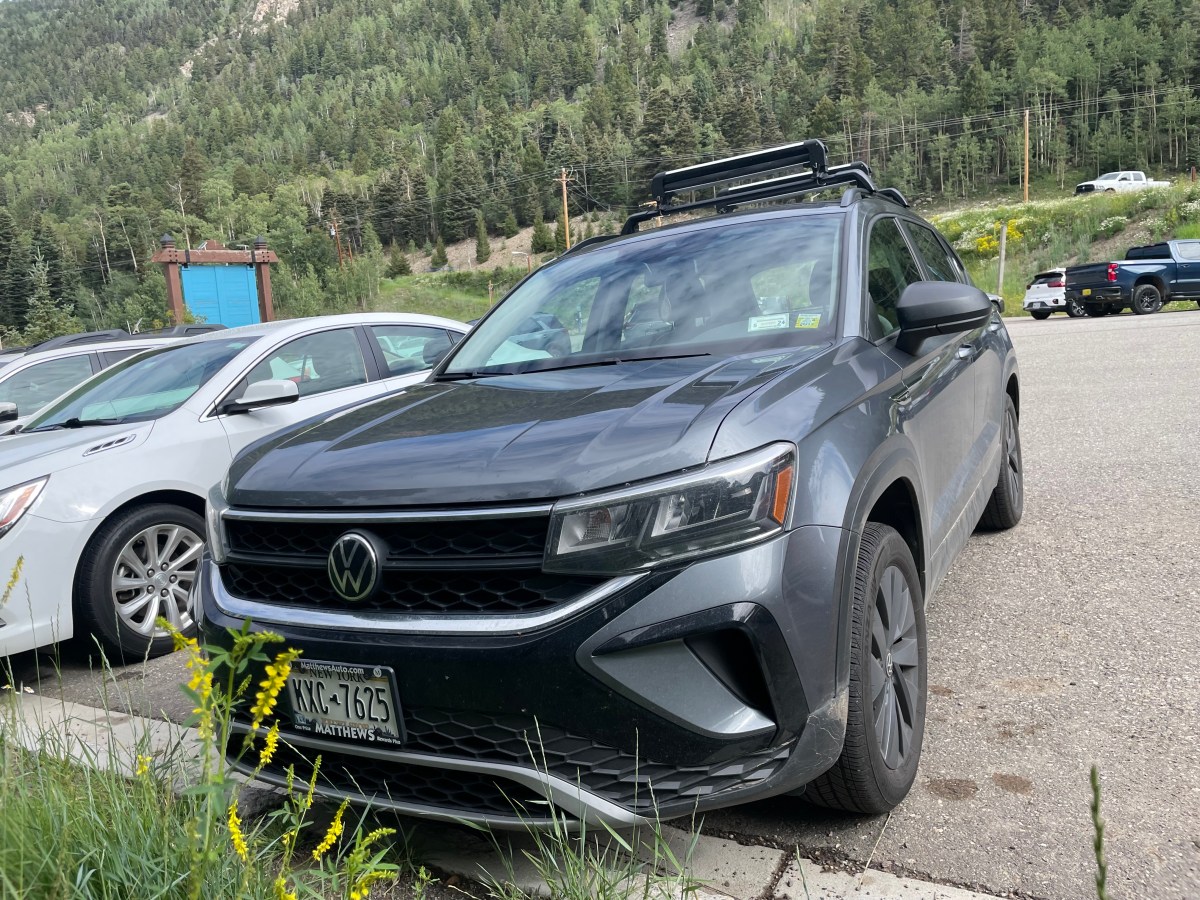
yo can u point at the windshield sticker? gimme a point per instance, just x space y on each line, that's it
765 323
808 320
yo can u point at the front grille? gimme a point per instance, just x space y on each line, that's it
473 541
467 591
382 781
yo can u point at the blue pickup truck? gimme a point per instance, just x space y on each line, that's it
1143 281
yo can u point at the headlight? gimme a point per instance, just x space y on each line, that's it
15 502
727 504
212 521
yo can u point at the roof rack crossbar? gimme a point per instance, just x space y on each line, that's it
808 154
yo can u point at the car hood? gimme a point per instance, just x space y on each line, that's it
27 456
507 438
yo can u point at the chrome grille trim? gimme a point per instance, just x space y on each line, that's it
363 517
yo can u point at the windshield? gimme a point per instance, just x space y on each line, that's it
143 387
731 288
1111 176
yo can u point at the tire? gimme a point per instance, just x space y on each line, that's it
1040 314
1146 299
1096 311
1007 503
1075 309
873 774
129 549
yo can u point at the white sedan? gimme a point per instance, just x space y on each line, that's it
102 493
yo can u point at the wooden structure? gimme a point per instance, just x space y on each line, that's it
171 258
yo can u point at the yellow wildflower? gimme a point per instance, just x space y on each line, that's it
143 765
361 889
269 688
269 746
281 891
236 835
334 832
12 581
312 784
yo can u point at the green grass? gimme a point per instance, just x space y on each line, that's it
455 295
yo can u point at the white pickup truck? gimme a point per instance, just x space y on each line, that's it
1119 181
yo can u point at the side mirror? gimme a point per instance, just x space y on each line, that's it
8 412
262 394
930 308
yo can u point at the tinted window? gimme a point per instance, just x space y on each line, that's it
327 361
110 357
144 387
937 259
34 386
728 288
890 269
1189 249
409 348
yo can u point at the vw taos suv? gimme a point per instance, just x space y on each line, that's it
683 565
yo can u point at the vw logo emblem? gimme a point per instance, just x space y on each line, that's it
353 566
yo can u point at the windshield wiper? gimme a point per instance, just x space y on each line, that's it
75 422
585 364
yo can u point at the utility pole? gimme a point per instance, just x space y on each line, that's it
336 234
562 178
1025 180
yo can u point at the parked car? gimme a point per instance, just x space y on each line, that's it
1143 281
1119 181
103 490
677 568
33 377
997 302
1046 294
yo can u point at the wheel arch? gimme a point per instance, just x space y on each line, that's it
1013 388
1157 281
173 496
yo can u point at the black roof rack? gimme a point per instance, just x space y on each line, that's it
87 337
808 156
181 330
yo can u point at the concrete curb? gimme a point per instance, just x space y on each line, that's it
112 741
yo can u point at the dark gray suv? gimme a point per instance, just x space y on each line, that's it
682 565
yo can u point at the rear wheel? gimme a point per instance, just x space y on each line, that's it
1007 502
1075 309
1040 313
886 715
140 566
1146 299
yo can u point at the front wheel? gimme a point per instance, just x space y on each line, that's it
1075 309
885 721
1040 314
1146 299
138 567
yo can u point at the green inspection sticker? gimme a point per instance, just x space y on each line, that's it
808 320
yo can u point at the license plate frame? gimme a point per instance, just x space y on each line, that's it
318 693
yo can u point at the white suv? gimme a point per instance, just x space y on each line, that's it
1046 293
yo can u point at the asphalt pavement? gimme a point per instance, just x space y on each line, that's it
1068 641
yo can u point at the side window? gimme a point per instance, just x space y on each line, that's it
890 269
321 362
1189 250
937 259
109 357
35 386
410 348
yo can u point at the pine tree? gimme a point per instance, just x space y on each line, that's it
483 247
542 240
509 228
560 235
439 260
47 317
399 265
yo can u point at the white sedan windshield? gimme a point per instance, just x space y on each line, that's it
145 387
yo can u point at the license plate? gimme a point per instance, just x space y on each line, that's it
1087 292
345 701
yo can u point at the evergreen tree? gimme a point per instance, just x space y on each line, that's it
560 235
542 240
509 228
399 265
46 316
439 260
483 247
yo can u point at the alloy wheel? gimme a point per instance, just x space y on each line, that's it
1012 442
894 670
153 577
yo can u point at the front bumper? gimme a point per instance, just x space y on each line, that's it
682 690
40 557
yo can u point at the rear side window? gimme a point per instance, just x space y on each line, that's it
890 269
936 258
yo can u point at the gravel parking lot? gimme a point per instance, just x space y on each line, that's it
1070 640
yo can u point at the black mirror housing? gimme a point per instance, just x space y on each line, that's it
8 412
930 308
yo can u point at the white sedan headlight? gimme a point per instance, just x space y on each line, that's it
727 504
15 502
